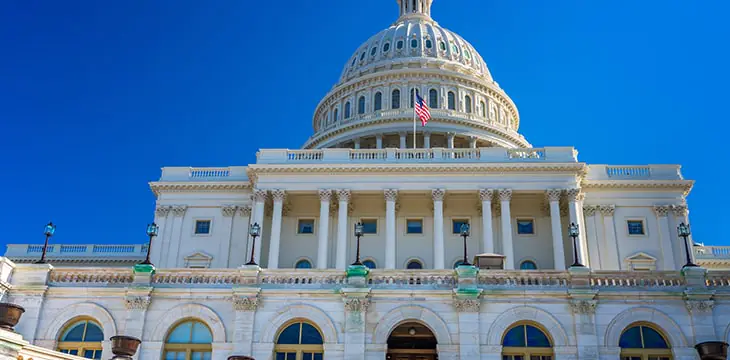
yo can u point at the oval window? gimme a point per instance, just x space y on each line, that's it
372 51
429 44
386 47
414 43
362 57
442 45
467 54
455 48
399 44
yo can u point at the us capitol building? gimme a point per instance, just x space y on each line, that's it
471 180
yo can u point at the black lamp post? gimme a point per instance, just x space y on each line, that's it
574 232
152 230
48 231
465 234
683 231
358 235
254 231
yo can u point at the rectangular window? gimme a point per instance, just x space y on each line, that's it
202 227
414 226
306 226
636 227
456 225
369 226
525 227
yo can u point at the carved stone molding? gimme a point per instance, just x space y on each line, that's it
178 210
467 305
699 306
325 195
589 210
486 194
582 306
438 194
607 210
162 211
680 210
278 195
245 303
260 195
228 210
140 302
356 304
553 194
574 195
390 194
661 210
244 210
343 194
505 194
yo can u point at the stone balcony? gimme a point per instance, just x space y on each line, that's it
72 253
712 257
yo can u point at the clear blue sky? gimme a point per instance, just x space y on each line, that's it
97 96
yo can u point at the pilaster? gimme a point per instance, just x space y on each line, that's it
505 196
162 241
245 303
553 198
485 196
583 305
30 283
178 215
594 256
391 195
575 209
356 303
665 239
275 241
438 228
136 301
325 196
609 246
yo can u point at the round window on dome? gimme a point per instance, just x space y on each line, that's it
386 47
429 44
414 43
373 51
442 46
399 44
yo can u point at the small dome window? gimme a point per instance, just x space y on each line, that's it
414 265
303 264
386 47
362 57
414 43
442 46
399 44
370 264
429 44
353 61
454 48
467 54
373 51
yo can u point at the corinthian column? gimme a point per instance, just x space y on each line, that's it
575 209
259 198
278 195
486 195
505 196
324 225
438 228
610 256
344 197
553 197
665 235
391 195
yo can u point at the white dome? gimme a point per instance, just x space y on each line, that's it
372 103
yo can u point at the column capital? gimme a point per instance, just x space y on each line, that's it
245 302
244 210
574 194
589 210
390 194
137 302
278 195
607 210
467 305
426 133
553 194
356 304
178 210
402 133
259 195
505 194
162 211
661 210
680 210
438 194
325 195
228 210
344 194
583 306
486 194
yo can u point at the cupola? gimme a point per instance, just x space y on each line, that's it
414 8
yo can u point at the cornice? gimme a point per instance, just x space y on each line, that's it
158 187
355 124
684 185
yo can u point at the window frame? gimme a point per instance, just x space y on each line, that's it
377 227
188 348
644 229
299 349
431 103
527 352
375 263
413 219
378 101
451 100
537 267
525 218
361 105
348 110
644 353
393 101
468 104
202 219
314 226
301 259
79 346
414 260
457 218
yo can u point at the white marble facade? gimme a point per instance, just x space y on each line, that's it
469 163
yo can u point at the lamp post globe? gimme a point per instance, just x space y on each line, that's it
254 231
152 230
358 235
574 232
464 230
48 231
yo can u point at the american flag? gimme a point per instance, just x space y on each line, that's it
422 110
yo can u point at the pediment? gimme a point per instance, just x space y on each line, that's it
198 256
641 256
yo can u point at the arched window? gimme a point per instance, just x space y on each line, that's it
361 105
433 99
299 341
370 264
399 44
442 46
189 340
373 51
525 341
414 265
452 100
347 110
336 115
414 43
303 264
395 99
483 109
386 47
467 103
82 338
378 101
643 342
429 44
528 265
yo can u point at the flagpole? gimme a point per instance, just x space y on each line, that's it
415 98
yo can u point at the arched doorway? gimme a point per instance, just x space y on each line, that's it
412 341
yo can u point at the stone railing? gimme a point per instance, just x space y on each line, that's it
412 278
433 155
636 279
231 173
90 276
718 279
506 278
627 172
712 252
101 253
190 277
301 277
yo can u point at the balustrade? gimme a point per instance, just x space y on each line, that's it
90 277
209 172
628 171
636 279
